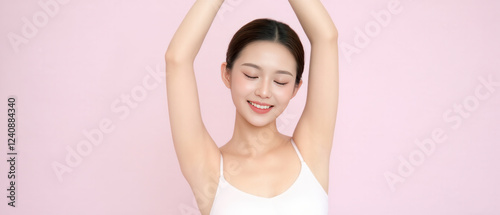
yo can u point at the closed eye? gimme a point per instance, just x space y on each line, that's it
280 83
252 77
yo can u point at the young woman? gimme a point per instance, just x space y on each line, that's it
259 170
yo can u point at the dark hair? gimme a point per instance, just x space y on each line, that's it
267 30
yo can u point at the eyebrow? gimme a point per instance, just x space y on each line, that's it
259 68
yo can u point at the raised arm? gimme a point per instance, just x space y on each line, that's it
196 151
314 131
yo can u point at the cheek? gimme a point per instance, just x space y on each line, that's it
284 94
240 86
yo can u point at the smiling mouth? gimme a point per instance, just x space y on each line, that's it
263 107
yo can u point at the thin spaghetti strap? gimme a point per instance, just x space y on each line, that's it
297 150
221 170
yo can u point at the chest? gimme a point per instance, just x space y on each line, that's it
265 177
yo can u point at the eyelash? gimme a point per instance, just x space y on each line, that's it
251 77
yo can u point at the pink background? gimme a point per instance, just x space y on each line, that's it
396 84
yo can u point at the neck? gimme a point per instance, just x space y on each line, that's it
254 141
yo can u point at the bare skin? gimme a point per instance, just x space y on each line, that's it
258 159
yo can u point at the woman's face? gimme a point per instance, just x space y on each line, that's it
262 81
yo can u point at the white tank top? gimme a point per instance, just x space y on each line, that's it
305 196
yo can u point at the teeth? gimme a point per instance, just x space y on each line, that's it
259 106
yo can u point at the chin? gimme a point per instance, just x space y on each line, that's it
260 123
258 120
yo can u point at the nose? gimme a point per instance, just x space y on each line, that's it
263 90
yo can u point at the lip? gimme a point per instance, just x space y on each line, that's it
258 110
260 103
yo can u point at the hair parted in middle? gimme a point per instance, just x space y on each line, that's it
267 30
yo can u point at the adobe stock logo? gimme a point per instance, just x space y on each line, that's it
372 28
40 19
454 117
122 107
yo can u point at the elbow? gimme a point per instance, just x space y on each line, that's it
333 34
327 38
176 58
330 35
170 62
171 57
176 63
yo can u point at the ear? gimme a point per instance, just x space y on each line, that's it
296 88
225 75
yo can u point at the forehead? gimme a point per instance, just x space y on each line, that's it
268 55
